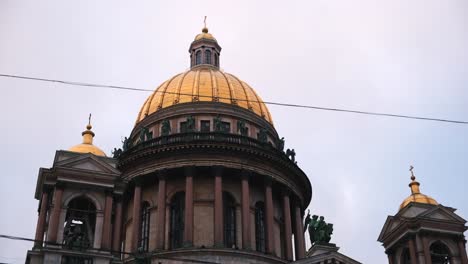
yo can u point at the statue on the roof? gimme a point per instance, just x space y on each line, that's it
242 128
319 230
116 153
145 134
281 144
190 124
291 155
217 124
165 128
126 144
262 135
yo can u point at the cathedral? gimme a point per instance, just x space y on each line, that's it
204 178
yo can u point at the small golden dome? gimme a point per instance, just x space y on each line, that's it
204 35
87 145
416 195
204 84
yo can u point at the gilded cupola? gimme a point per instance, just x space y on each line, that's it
204 82
87 145
416 195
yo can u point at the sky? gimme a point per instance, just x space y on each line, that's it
395 56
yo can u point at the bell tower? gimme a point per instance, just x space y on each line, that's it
424 232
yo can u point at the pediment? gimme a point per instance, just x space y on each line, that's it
413 210
86 162
390 224
443 214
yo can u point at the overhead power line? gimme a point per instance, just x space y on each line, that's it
266 102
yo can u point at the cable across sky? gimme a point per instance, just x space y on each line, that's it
266 102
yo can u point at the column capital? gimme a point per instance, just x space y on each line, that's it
246 174
47 188
59 185
108 191
138 181
217 170
118 198
189 171
162 174
268 180
286 192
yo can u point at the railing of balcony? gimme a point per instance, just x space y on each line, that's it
201 137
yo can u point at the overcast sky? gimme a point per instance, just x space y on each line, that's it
397 56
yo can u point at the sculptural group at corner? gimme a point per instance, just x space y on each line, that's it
319 230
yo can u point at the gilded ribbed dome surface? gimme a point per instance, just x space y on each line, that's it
204 35
418 198
204 84
87 148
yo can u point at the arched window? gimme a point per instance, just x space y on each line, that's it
229 221
405 257
440 253
260 226
79 224
198 57
143 242
177 220
207 56
216 62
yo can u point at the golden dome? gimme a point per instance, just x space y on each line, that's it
204 35
204 84
87 145
416 195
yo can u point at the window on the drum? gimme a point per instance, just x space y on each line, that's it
260 226
177 220
198 57
229 206
205 126
143 241
226 127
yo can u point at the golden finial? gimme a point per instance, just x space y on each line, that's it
88 134
205 29
414 185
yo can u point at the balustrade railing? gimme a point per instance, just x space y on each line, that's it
201 137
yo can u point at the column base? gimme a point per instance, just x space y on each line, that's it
187 244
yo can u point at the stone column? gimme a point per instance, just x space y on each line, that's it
299 235
245 203
218 208
136 217
412 250
270 245
98 229
161 216
106 229
426 250
390 257
117 238
188 223
41 219
54 217
462 251
287 227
